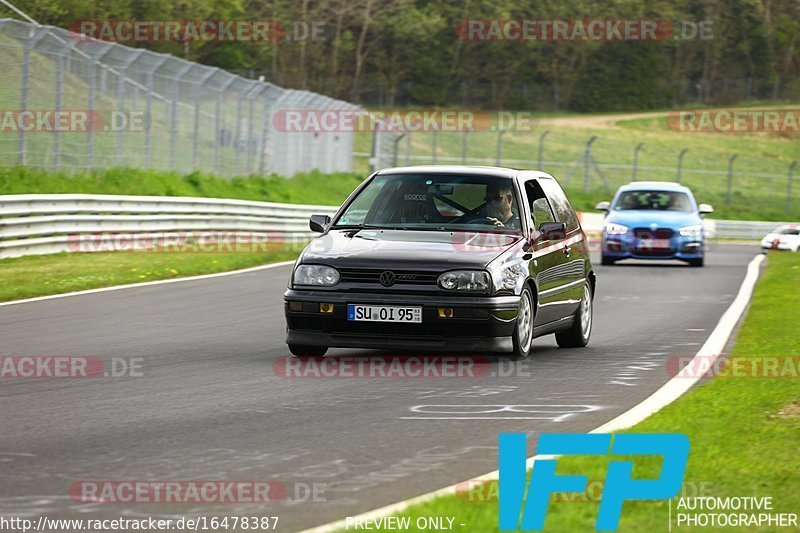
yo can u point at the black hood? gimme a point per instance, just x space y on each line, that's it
407 249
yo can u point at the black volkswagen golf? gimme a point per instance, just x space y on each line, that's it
444 258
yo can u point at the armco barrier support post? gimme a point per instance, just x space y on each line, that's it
373 157
636 159
59 65
587 160
23 98
728 197
91 85
35 34
680 164
197 93
173 114
394 149
544 134
500 145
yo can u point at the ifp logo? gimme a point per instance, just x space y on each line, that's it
619 485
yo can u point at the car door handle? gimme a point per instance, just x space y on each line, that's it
567 251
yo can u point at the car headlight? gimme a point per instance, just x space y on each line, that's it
465 280
316 276
615 229
695 230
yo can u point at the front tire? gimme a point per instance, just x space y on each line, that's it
577 336
696 262
302 350
606 260
523 331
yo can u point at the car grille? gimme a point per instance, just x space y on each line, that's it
659 233
402 277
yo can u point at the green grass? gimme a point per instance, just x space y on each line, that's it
309 188
753 198
744 432
31 276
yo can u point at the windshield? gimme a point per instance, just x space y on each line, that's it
435 202
788 230
653 201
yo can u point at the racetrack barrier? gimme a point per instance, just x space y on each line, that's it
33 224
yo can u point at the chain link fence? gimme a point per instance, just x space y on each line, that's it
76 103
590 166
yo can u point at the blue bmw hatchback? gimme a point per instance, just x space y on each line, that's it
653 220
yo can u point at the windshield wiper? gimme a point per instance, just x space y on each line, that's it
357 226
397 228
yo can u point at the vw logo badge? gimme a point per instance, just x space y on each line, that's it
387 278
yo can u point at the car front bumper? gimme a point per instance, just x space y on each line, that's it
479 323
629 247
767 246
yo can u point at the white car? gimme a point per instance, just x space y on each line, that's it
783 238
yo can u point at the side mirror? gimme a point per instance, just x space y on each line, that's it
705 209
603 206
552 229
318 223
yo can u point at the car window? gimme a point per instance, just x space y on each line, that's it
561 206
357 212
435 202
540 207
788 230
653 201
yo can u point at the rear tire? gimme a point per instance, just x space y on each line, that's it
607 261
577 336
523 331
696 262
302 350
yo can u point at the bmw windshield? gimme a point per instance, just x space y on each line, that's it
653 201
438 203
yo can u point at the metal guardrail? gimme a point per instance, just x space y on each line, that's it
718 229
740 229
33 224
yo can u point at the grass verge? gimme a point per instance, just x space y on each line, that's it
310 188
744 431
31 276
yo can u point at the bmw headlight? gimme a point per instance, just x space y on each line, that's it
465 280
316 276
614 229
695 230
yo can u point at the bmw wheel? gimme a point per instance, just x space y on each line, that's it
606 260
696 262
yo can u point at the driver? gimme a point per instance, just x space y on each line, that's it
499 199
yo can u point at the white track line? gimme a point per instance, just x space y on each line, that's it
668 393
148 283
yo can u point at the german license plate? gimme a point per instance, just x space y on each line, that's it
383 313
652 244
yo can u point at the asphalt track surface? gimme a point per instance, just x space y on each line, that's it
211 402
